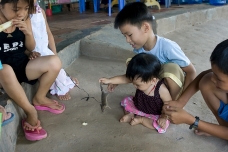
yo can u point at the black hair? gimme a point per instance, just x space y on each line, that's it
145 66
133 13
30 4
219 56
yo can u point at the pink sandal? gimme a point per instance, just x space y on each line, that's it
160 129
45 107
37 134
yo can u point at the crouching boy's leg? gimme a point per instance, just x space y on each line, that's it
174 79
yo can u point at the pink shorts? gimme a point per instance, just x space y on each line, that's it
129 106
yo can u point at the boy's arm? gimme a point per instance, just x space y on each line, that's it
178 116
191 89
51 41
190 72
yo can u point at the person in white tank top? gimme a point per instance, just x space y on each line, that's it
45 45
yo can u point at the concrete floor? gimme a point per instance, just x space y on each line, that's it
104 132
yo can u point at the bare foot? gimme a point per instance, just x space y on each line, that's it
32 119
201 133
48 102
67 95
75 81
64 97
127 118
137 120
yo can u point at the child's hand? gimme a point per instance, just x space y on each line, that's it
178 115
21 24
34 55
104 80
162 122
111 87
171 104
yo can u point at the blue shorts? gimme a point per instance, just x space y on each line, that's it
223 111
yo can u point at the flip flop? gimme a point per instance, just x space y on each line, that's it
160 129
7 121
33 135
45 107
7 116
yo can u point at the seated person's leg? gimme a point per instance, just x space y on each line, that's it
214 98
45 68
15 91
174 79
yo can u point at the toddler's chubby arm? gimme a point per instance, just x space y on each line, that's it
165 96
164 93
114 81
190 72
120 79
51 41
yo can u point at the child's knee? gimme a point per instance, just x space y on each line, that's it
6 73
55 62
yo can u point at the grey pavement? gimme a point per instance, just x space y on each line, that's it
104 132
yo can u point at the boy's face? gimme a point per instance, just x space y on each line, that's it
134 35
219 78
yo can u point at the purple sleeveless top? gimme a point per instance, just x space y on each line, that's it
149 104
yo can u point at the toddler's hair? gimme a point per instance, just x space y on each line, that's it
145 66
30 4
134 13
219 56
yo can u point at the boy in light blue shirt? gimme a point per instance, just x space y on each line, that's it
167 51
135 23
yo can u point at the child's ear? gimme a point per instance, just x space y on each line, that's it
153 80
146 27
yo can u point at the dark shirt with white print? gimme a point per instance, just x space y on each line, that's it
12 49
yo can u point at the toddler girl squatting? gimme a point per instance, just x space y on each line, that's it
146 106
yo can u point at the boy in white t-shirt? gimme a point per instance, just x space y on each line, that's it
135 23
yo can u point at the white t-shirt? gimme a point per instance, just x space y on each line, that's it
167 51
